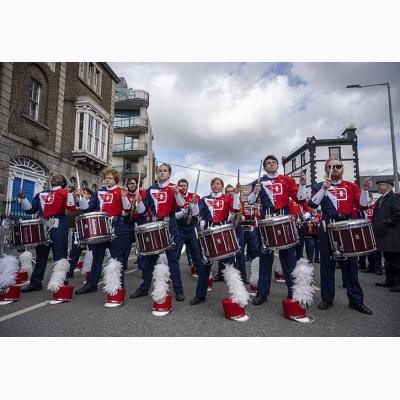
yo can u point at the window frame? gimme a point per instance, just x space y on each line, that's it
294 167
335 147
91 75
36 101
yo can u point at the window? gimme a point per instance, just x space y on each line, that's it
34 99
302 158
293 164
91 134
91 74
334 152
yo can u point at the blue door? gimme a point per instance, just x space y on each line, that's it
28 187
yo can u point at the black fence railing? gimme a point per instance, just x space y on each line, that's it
12 210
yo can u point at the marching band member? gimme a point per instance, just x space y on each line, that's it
250 236
274 191
337 199
187 220
51 205
312 242
76 249
215 209
129 221
162 198
374 258
298 211
239 257
112 200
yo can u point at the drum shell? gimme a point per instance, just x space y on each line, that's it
310 229
92 228
354 237
28 233
218 243
153 238
279 232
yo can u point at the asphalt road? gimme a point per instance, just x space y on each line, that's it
87 316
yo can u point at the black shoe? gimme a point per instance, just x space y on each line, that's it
324 305
197 300
246 280
139 293
218 278
362 308
378 271
32 288
259 299
362 267
344 285
385 284
180 297
395 288
86 289
69 275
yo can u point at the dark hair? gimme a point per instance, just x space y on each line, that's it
229 186
166 165
183 180
132 178
86 189
270 157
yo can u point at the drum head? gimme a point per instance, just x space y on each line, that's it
279 219
152 226
91 214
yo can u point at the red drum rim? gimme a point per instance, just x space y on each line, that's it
151 226
158 251
91 214
223 256
95 239
270 221
349 224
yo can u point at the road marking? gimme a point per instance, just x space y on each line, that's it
25 310
42 304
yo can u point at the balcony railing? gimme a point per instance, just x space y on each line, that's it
130 122
132 94
134 147
132 170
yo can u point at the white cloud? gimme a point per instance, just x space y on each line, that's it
224 116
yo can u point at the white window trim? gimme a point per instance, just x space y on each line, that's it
84 74
36 101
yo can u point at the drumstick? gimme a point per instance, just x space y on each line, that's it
238 176
197 182
331 169
259 172
78 182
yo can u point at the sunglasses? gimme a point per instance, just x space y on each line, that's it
335 166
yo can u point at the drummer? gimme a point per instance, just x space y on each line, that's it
215 209
76 249
274 191
51 205
187 220
129 221
312 241
250 235
240 264
161 200
299 211
337 199
112 200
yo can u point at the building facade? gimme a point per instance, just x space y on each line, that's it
310 158
132 152
54 118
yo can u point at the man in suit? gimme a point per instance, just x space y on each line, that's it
386 225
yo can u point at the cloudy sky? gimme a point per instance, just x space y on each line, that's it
224 116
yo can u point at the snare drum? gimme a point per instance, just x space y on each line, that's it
310 229
278 232
30 232
351 238
153 238
219 242
93 227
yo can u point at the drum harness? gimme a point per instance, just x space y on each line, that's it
335 250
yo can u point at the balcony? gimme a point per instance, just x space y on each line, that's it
130 149
131 99
134 169
131 124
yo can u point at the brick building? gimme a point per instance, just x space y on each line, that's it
54 117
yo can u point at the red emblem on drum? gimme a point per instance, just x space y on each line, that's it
339 193
369 212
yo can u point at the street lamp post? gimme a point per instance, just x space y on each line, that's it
395 170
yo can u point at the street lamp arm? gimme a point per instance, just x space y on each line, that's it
358 86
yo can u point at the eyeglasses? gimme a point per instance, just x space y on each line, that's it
335 166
